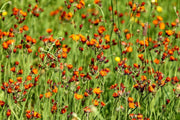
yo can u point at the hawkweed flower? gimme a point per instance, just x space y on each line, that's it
117 59
97 91
159 9
77 96
2 103
153 1
8 113
48 94
87 110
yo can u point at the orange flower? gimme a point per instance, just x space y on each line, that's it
36 115
34 71
162 26
5 45
86 94
25 28
173 24
156 61
49 30
130 99
97 1
2 103
103 73
55 90
101 29
78 97
115 95
169 32
143 78
87 110
29 77
13 69
107 38
128 36
172 58
159 18
103 104
19 79
40 96
29 50
63 111
131 105
155 22
70 66
96 103
129 49
150 88
48 94
20 71
97 91
11 81
140 56
8 113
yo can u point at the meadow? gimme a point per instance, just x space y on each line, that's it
89 59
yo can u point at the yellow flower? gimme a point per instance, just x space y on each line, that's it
154 1
117 59
133 19
4 13
159 9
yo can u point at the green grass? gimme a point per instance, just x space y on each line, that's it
153 104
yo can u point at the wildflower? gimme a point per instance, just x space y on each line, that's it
9 90
4 13
154 1
97 1
49 30
40 96
115 95
131 105
25 28
29 50
117 59
128 36
101 29
162 26
96 103
97 91
159 18
139 116
103 73
36 115
130 99
155 22
156 61
2 103
129 49
70 66
77 96
63 111
54 108
34 71
75 37
103 104
169 32
159 9
5 45
48 94
87 110
13 69
8 113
